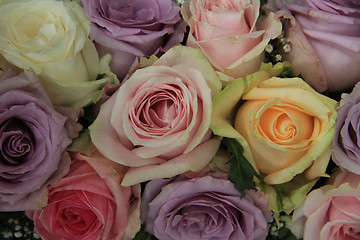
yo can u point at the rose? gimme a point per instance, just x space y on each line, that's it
203 208
133 28
285 128
157 122
51 38
346 152
89 203
33 141
286 124
228 33
325 42
291 127
332 211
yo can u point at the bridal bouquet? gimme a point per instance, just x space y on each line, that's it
196 119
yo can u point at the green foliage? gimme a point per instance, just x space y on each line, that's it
143 235
282 234
286 72
241 171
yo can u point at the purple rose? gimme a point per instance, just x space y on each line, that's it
133 28
346 151
203 208
33 139
325 42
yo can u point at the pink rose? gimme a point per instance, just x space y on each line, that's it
157 122
133 28
228 33
325 42
89 203
333 211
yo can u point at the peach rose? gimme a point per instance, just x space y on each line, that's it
229 33
286 129
287 126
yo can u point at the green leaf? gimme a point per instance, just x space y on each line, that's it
282 233
143 235
287 196
83 143
241 171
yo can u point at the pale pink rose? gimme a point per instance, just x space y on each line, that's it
333 211
157 122
89 203
229 33
325 42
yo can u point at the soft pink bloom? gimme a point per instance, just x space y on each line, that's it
333 211
157 122
325 42
89 203
229 34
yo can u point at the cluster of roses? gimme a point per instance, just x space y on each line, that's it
100 99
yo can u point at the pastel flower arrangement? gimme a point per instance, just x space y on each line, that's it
196 119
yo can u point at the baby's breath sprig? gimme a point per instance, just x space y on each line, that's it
15 225
179 2
280 231
275 49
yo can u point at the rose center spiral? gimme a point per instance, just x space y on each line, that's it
16 142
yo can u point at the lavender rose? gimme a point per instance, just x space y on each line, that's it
346 151
33 139
203 208
325 42
133 28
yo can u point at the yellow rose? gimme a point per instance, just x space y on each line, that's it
51 38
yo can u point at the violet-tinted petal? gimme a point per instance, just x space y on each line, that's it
137 27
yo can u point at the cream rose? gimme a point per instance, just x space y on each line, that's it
51 38
229 33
